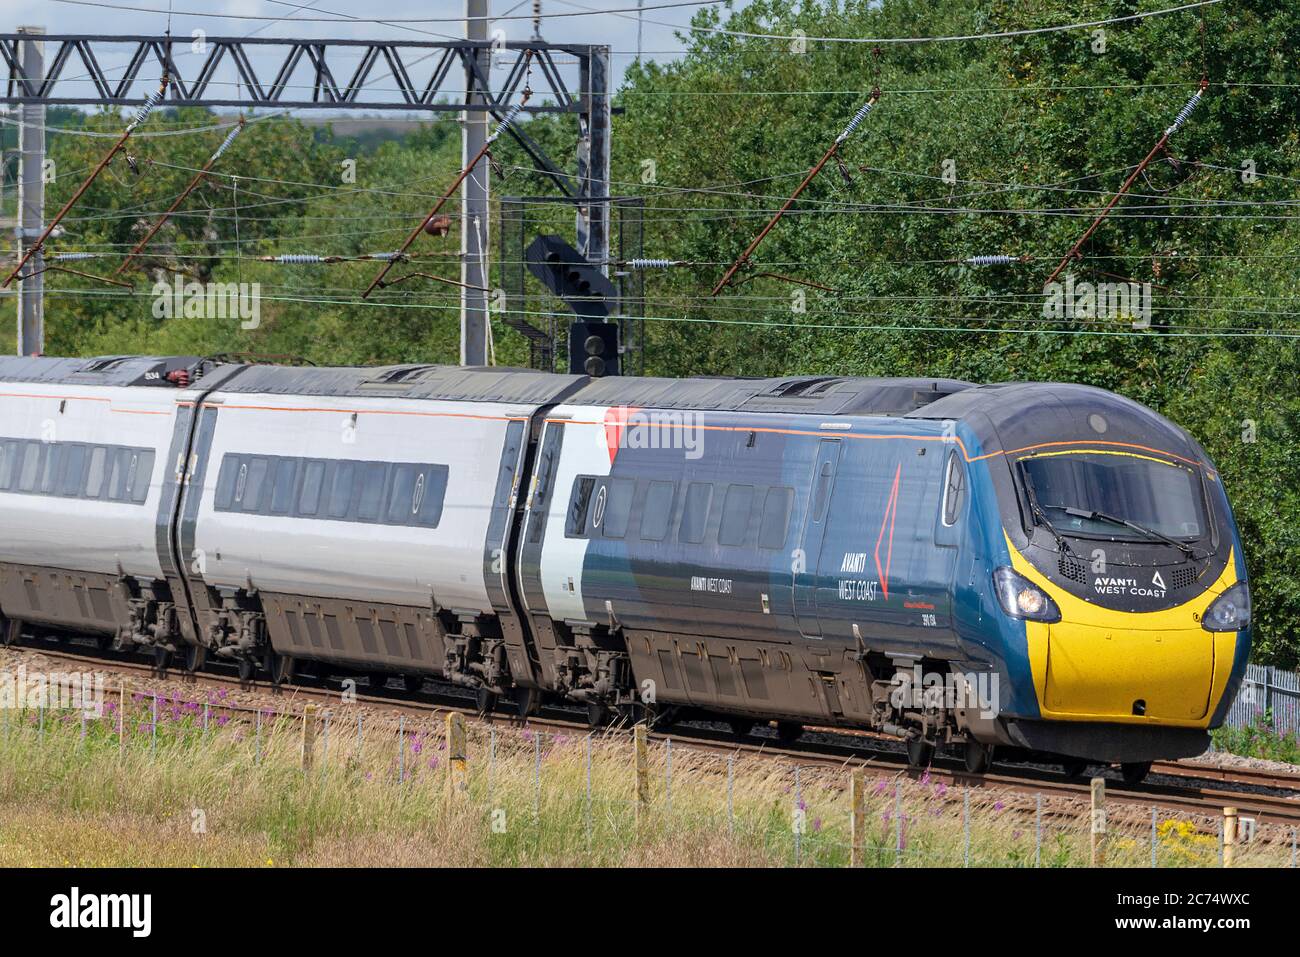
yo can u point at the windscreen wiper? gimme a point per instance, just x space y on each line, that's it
1040 516
1094 515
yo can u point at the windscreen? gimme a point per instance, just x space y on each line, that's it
1163 496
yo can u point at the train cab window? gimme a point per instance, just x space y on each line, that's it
657 512
618 507
695 513
776 517
737 508
954 489
575 524
313 478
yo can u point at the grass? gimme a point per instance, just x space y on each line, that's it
237 795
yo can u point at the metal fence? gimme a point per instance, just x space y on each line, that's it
1268 691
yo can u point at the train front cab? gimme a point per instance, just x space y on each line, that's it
1123 599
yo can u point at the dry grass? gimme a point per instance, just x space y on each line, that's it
236 795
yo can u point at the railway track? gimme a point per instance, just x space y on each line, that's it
1202 796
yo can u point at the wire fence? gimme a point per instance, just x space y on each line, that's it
527 795
1267 695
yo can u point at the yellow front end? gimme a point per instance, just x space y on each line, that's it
1097 664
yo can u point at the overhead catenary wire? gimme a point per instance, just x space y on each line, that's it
140 116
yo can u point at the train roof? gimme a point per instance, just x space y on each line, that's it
818 395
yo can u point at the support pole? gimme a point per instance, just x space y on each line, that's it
31 201
1229 836
308 737
857 817
457 781
594 160
642 773
474 198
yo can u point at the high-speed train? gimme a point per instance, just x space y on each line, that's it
1035 567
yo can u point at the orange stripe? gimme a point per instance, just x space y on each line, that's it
433 415
81 398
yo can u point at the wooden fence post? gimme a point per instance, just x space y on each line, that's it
1229 835
1098 829
457 776
857 817
308 736
642 772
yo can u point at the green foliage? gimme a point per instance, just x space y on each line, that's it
1259 739
1041 130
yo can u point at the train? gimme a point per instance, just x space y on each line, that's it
1018 568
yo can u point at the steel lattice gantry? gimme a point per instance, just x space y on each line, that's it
410 75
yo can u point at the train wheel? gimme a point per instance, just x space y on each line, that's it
11 630
788 732
283 668
920 752
1074 767
527 701
413 683
597 715
161 659
741 727
195 657
979 756
246 670
378 680
1134 772
485 701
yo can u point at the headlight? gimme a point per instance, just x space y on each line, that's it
1021 598
1230 611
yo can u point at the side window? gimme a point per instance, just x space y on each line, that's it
657 513
255 484
31 466
953 490
431 496
50 468
737 507
142 477
821 494
74 470
776 517
402 506
618 509
372 491
575 523
286 471
313 478
695 513
226 481
8 462
119 483
95 473
341 489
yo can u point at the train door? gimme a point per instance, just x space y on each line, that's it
813 535
949 533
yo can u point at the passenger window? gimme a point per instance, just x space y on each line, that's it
95 473
341 489
619 507
953 492
737 507
371 500
695 513
286 470
50 468
402 505
142 476
657 512
776 517
575 525
8 461
432 496
312 478
74 469
255 484
117 488
31 467
241 484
